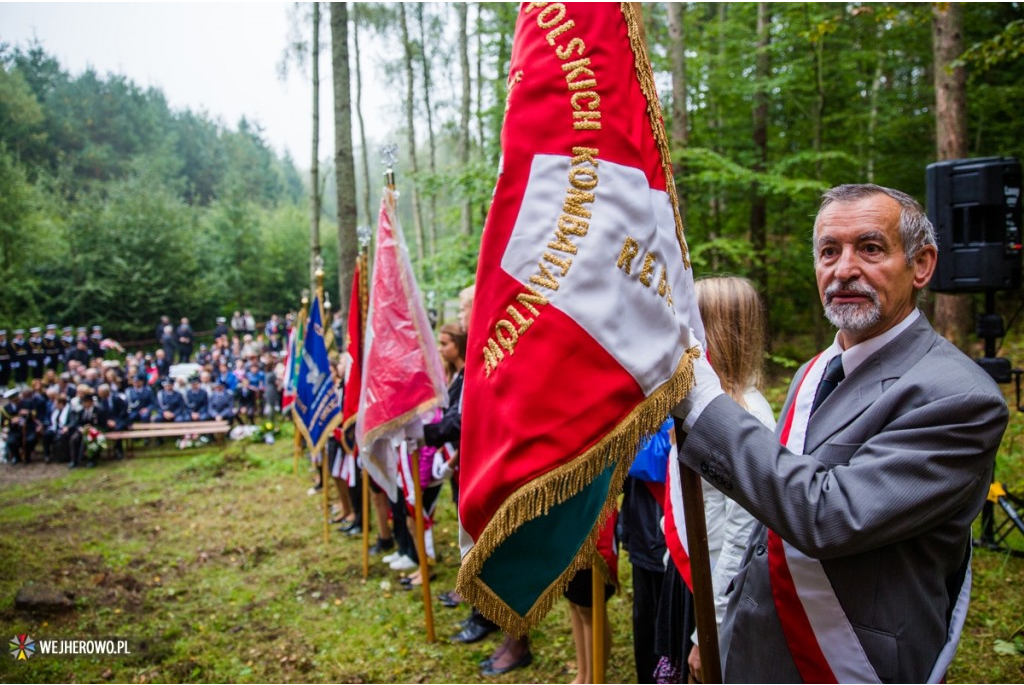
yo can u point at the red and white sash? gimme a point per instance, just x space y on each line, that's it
675 522
821 639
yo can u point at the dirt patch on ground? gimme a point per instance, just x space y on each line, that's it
19 474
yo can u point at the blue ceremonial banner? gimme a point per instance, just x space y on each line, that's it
317 404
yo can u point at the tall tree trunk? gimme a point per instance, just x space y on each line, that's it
876 87
677 54
431 144
952 312
365 157
759 203
465 209
481 125
417 215
314 169
344 162
717 124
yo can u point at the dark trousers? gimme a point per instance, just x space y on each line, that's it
646 598
19 448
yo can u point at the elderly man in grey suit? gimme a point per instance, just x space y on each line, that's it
881 460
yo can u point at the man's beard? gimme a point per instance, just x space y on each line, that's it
852 317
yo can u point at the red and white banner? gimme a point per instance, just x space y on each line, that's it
403 377
288 385
584 298
353 348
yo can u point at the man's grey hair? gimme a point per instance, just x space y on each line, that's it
916 230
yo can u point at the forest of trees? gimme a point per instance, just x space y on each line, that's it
115 209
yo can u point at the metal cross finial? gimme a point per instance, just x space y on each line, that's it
388 154
363 235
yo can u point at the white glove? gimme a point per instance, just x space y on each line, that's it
706 388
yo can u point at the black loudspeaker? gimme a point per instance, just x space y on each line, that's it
974 205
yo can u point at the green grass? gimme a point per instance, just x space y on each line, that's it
213 564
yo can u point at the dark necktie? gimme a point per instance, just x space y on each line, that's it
834 374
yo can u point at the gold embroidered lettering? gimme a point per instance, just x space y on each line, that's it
509 342
555 33
533 5
629 251
543 19
583 178
561 262
664 289
595 100
523 322
647 270
492 355
530 298
584 154
574 200
544 279
576 68
576 44
585 121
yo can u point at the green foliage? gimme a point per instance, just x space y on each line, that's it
116 209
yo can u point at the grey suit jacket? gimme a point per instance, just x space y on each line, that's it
897 466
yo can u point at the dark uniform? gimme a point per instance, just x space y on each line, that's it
36 354
67 343
197 403
52 348
222 404
185 340
5 361
25 429
140 401
221 329
79 353
95 349
170 401
19 357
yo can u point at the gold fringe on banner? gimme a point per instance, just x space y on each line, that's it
644 73
537 497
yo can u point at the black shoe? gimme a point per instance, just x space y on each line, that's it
347 526
355 530
447 600
474 632
523 661
382 546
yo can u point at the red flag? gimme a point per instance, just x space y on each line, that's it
353 347
584 298
402 369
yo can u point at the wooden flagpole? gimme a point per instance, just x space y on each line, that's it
366 525
598 619
693 501
421 542
324 478
700 569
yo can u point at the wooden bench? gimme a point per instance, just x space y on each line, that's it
148 431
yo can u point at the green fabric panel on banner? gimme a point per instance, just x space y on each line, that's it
528 561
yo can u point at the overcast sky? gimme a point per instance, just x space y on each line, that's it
217 57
